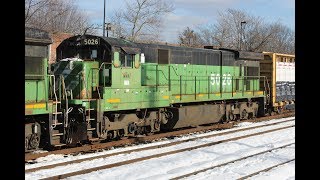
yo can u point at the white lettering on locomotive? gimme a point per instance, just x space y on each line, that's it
226 79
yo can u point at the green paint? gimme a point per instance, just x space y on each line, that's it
37 91
151 85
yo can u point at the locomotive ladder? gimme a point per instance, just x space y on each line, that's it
89 121
56 128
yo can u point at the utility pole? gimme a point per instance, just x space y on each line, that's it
104 17
241 32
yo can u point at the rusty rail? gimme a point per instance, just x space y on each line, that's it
267 169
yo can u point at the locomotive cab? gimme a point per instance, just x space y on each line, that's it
111 55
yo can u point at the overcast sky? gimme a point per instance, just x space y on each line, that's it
195 13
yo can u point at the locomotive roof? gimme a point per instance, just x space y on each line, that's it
246 55
132 47
34 35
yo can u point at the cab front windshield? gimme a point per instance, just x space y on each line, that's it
87 53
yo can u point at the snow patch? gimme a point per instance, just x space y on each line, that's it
51 157
243 124
71 59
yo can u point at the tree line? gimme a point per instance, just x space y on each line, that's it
56 16
237 29
141 21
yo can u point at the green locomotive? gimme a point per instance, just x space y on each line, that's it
111 88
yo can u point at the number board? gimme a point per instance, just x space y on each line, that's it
90 41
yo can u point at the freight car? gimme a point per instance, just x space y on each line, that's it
40 108
111 88
280 71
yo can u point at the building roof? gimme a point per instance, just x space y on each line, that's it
34 35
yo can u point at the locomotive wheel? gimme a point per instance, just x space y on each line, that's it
270 112
279 110
224 120
231 116
244 114
110 135
132 127
139 130
157 125
34 141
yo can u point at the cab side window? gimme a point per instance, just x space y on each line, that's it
129 60
122 59
126 60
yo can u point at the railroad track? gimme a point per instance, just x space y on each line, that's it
151 147
240 159
153 156
119 143
266 169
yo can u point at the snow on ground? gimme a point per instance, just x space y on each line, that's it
286 171
178 164
251 165
182 163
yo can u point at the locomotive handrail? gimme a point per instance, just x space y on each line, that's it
158 70
199 79
196 79
164 65
85 84
66 99
56 98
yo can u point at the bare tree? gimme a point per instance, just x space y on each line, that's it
190 38
238 30
118 28
283 41
32 7
218 34
141 19
55 16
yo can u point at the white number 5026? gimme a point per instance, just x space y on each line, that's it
91 41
